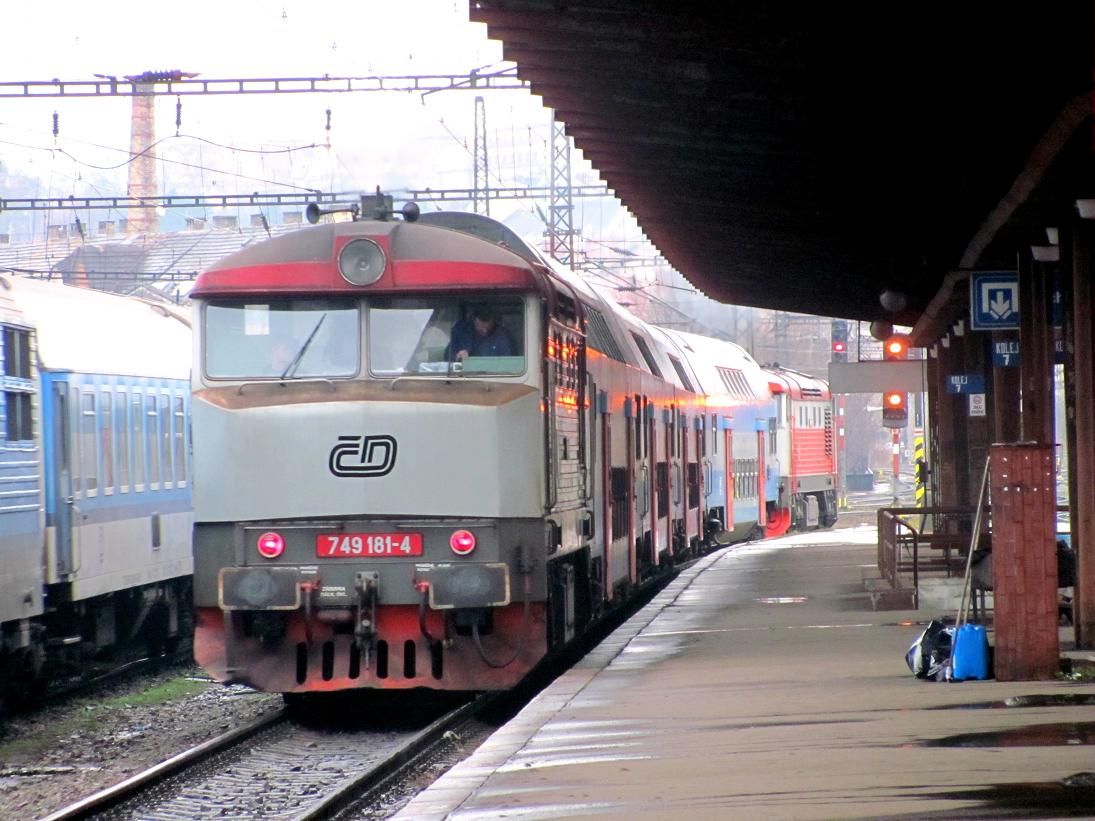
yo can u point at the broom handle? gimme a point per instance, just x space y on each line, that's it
964 606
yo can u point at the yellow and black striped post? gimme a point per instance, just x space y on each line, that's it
921 484
921 463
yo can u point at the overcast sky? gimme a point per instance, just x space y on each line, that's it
268 143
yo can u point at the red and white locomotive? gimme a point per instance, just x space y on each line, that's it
425 458
802 442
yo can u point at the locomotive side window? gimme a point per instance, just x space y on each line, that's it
447 334
285 338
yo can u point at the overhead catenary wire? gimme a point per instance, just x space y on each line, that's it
288 150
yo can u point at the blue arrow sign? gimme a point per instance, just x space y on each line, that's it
994 300
1005 354
965 383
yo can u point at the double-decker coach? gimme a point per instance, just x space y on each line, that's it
740 410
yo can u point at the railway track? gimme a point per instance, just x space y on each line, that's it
62 688
281 766
321 759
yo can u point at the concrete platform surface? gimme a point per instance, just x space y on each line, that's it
760 683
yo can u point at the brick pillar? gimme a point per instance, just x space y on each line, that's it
1024 561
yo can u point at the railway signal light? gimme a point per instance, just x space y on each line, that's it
840 341
895 409
896 348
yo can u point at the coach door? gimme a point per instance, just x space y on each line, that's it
637 476
700 487
63 505
762 479
731 485
607 500
650 482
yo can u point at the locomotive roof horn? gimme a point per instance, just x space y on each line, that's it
376 206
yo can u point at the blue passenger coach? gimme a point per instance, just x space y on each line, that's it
95 515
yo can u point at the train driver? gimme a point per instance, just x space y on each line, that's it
483 336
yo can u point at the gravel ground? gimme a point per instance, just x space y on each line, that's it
65 752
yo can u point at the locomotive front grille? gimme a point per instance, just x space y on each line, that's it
334 654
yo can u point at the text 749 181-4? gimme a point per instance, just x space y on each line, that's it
354 545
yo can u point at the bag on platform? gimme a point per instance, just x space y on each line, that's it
930 653
970 657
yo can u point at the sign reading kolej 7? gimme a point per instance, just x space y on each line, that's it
1005 354
994 300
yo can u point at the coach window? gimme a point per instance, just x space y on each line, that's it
150 442
445 335
165 439
285 338
180 442
89 467
106 440
136 421
121 438
19 419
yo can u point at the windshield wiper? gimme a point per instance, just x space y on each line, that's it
292 366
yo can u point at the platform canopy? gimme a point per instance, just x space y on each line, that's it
809 156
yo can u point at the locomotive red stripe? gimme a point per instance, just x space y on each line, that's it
405 275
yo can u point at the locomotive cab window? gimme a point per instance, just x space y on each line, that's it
284 338
446 335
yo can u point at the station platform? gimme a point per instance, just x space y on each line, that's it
760 683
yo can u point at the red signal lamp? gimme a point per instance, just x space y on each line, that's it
895 412
462 542
896 347
270 545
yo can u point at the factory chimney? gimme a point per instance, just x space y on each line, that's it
142 168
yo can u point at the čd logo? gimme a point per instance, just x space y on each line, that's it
363 456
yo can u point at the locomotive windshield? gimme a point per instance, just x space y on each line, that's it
282 338
446 334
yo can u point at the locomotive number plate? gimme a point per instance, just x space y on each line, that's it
358 545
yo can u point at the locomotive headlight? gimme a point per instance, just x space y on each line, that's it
271 545
361 262
462 542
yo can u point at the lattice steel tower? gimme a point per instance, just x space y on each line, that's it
481 202
561 227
